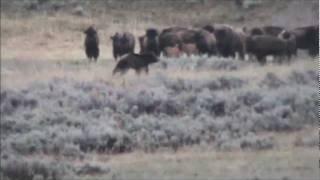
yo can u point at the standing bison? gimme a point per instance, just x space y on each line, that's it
291 42
137 62
308 39
149 43
91 44
122 43
206 42
264 45
229 41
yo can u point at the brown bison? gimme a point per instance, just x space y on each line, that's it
172 37
189 49
308 39
229 41
149 43
189 41
264 45
172 51
91 44
137 62
122 43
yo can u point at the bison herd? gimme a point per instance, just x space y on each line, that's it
213 40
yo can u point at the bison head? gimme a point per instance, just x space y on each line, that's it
209 28
90 31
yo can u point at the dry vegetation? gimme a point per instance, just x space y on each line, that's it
190 118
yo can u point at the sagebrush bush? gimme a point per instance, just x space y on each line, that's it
17 168
68 118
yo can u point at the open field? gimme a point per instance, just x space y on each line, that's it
189 118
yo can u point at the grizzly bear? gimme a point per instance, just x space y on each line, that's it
137 62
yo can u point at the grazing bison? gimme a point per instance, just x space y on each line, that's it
122 43
178 36
169 39
267 30
291 41
308 39
91 44
264 45
149 43
229 41
137 62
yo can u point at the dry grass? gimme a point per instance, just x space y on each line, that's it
20 73
198 163
205 163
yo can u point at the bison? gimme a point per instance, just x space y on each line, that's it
189 49
291 41
149 43
189 41
229 41
264 45
173 51
91 43
122 43
307 38
206 42
137 62
266 30
173 37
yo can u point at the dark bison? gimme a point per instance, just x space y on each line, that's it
91 43
266 30
206 42
137 62
264 45
308 39
291 42
229 41
149 43
122 43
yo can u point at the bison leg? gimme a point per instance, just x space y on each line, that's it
241 55
262 59
313 52
115 55
138 71
146 69
288 57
